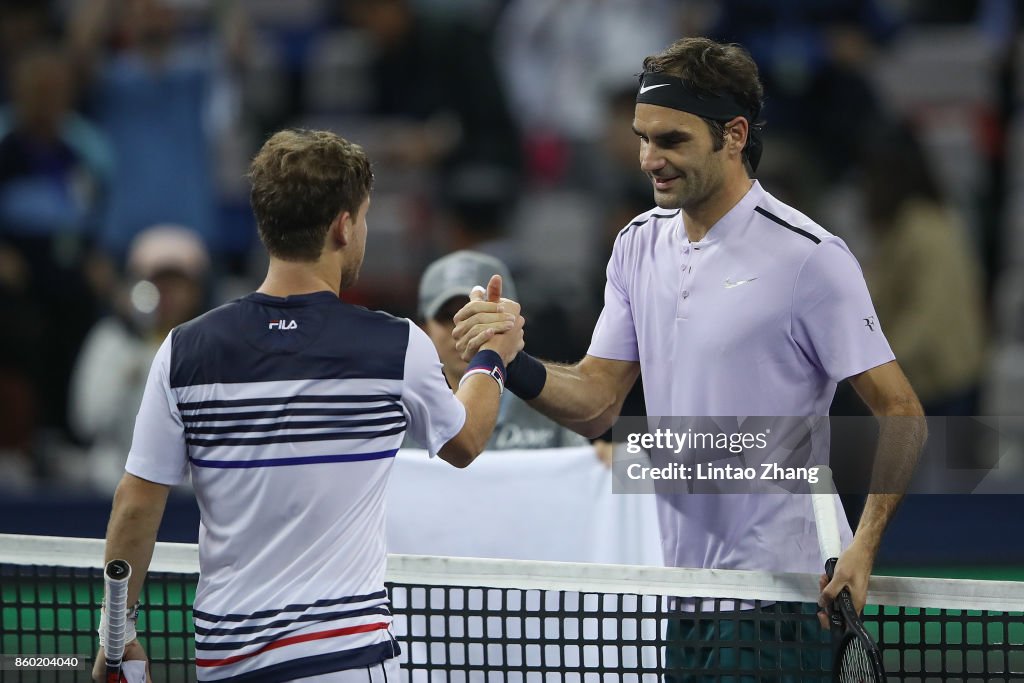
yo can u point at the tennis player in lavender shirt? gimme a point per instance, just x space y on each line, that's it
734 304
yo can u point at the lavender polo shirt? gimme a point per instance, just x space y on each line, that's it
762 317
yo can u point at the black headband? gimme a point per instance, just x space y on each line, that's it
670 91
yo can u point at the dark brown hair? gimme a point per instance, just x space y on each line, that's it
712 68
301 181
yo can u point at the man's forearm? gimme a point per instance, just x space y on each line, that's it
134 522
580 401
900 440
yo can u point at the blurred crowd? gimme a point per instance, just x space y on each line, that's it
501 126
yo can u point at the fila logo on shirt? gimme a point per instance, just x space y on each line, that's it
283 325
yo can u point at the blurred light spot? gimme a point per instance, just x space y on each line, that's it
145 297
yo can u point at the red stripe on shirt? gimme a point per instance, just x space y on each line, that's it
319 635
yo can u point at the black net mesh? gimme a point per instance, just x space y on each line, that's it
459 633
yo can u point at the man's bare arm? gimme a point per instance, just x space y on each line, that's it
586 397
131 536
134 521
902 434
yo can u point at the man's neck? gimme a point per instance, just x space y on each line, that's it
288 278
699 220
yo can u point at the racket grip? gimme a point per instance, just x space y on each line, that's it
826 520
114 625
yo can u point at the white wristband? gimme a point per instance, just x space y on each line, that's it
493 373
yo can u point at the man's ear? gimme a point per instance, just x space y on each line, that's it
341 227
737 133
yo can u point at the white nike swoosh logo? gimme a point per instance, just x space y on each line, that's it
729 284
645 88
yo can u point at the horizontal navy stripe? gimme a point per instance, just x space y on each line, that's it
293 438
302 620
317 665
240 402
294 607
225 417
292 424
287 462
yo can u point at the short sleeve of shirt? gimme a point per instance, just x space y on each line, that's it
834 321
615 334
435 415
159 453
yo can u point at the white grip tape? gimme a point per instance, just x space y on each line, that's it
826 519
130 633
116 629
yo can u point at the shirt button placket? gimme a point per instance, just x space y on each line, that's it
682 304
692 256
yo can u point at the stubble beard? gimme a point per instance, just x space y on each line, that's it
350 276
695 191
685 197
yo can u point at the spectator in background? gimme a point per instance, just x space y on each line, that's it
166 284
437 80
476 209
150 91
55 170
813 57
622 189
559 57
444 289
19 386
24 26
923 276
1000 22
995 16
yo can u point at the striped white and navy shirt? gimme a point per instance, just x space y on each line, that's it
287 413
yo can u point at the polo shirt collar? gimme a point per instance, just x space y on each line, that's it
734 218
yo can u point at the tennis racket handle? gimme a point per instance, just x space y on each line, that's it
114 626
835 617
826 518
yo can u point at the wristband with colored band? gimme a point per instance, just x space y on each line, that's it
487 363
526 376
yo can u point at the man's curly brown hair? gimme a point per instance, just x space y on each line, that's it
301 181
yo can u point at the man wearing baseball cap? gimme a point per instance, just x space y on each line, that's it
444 289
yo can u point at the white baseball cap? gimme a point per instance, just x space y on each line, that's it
455 275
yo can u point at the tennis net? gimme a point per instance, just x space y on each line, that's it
461 619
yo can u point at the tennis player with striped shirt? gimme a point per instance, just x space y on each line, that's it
734 304
286 407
